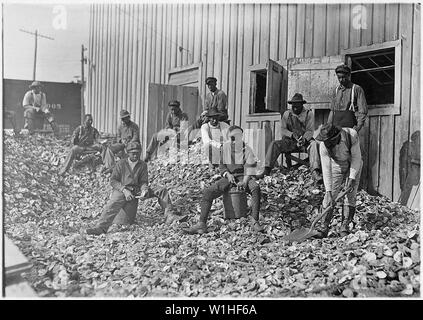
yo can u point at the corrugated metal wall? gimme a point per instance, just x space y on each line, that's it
132 45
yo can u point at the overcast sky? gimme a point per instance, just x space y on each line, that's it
58 59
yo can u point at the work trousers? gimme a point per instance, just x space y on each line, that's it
289 145
118 201
338 181
30 114
108 155
75 152
223 185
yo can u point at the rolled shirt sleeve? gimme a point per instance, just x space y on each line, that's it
356 161
326 167
283 123
362 108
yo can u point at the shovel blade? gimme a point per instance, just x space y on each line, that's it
301 234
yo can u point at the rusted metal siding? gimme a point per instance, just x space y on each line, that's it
132 45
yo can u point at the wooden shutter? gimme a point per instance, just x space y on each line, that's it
314 78
274 85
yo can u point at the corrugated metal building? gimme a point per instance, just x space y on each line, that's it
261 54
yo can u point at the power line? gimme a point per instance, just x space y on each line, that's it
155 31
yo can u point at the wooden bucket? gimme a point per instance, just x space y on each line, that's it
235 204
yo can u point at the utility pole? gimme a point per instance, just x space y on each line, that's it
83 61
36 34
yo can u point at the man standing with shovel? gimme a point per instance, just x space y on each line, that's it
341 167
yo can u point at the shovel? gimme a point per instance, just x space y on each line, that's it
301 234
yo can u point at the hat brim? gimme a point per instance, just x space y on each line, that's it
126 116
321 138
35 86
295 101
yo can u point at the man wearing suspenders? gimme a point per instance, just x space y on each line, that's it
349 106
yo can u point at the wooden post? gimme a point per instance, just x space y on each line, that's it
82 84
35 55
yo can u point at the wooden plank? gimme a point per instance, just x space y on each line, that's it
154 48
204 49
309 26
197 29
248 60
238 112
138 116
355 25
218 44
164 39
264 32
185 34
332 27
415 72
180 36
174 36
291 41
191 29
256 34
158 36
130 70
232 61
401 129
211 41
374 155
319 30
125 55
344 26
364 135
116 70
274 31
366 30
283 31
386 159
391 21
300 36
143 85
378 22
225 49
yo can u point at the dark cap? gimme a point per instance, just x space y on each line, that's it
124 114
328 131
234 127
175 103
35 84
133 146
213 112
210 79
343 68
298 98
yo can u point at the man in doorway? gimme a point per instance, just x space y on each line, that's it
237 168
216 99
84 138
341 165
297 127
348 106
175 120
35 104
128 132
129 181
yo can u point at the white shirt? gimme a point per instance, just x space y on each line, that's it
132 164
214 135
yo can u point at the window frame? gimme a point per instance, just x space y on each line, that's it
251 91
383 109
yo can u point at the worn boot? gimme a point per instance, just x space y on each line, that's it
348 215
199 228
324 229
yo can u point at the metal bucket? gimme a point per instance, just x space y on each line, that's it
235 204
